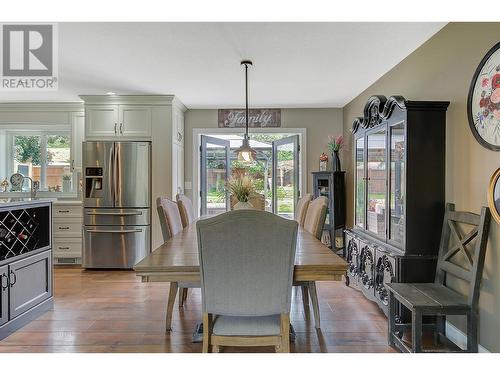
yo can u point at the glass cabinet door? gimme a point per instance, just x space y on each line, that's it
397 184
376 184
360 183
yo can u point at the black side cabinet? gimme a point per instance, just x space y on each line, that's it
26 287
399 193
332 185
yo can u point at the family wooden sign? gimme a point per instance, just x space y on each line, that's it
257 118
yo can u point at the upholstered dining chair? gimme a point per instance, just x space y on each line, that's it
302 206
246 261
185 209
171 224
313 223
258 202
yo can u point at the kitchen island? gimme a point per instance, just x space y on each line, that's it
25 261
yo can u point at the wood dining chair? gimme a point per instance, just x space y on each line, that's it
171 224
246 288
462 251
185 209
313 223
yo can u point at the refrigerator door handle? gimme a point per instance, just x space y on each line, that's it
113 231
111 174
131 213
116 169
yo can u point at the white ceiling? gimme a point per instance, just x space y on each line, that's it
295 64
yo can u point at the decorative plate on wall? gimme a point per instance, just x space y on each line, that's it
494 195
483 102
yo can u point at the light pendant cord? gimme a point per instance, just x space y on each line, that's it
246 101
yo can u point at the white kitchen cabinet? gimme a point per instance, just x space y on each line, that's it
78 130
158 119
67 224
134 121
110 121
177 169
178 126
101 121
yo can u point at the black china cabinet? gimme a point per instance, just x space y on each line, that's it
399 194
331 185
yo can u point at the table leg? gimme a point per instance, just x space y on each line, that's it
315 303
170 305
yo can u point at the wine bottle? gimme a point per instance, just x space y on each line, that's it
6 236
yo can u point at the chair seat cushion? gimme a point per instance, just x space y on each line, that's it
247 325
427 296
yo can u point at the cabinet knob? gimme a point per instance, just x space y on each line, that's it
12 283
6 279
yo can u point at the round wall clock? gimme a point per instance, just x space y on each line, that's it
483 102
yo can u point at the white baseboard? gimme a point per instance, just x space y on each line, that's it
460 338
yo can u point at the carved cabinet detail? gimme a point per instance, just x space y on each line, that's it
367 267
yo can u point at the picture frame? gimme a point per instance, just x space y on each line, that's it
483 100
494 195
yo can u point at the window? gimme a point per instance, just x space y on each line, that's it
43 155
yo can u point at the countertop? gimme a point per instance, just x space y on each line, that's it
68 202
10 202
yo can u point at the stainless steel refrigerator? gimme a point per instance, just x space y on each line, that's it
117 203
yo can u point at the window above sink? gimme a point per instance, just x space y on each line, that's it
42 152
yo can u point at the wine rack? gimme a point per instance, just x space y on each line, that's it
23 230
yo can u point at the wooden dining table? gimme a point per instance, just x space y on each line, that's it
177 261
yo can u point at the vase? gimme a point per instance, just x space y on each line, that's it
66 186
243 206
336 161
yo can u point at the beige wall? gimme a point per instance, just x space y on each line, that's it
441 69
319 122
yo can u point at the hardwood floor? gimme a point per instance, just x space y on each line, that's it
112 311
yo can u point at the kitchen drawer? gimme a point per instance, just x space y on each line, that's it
67 211
67 227
67 248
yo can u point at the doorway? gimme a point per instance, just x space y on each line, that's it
276 172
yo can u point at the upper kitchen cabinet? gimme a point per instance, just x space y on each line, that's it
134 121
114 121
101 121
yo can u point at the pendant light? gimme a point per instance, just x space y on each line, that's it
245 153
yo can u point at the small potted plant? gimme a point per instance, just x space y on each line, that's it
66 183
242 188
335 144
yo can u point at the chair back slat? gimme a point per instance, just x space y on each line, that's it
470 246
456 271
246 261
